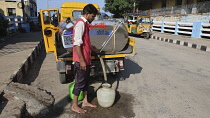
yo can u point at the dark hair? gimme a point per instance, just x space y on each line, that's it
90 9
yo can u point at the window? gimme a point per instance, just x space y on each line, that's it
163 3
178 2
189 1
76 15
50 17
202 0
46 17
11 11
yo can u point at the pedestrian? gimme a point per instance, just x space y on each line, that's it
82 56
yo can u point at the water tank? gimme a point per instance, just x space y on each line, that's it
102 29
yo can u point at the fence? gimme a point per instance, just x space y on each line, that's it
195 29
16 22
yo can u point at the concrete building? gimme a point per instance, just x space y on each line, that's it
14 7
157 4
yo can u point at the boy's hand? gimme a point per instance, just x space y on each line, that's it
82 65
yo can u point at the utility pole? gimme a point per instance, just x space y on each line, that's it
134 4
23 6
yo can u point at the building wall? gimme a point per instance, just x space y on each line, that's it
184 2
170 3
156 4
5 5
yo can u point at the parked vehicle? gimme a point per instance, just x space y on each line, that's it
109 37
138 24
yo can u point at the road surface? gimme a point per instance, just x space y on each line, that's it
162 80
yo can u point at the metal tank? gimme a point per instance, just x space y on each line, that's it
108 36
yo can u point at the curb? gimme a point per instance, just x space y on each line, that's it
23 68
183 43
17 76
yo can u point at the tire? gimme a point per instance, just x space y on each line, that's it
147 36
62 77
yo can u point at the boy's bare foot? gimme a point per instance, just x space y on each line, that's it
87 104
78 109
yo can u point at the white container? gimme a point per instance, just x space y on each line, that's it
106 95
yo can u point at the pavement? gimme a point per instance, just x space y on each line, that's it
196 43
14 51
17 53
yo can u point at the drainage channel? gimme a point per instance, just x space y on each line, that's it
21 100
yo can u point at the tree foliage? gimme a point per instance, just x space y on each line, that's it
119 7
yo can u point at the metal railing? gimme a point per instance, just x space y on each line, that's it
194 29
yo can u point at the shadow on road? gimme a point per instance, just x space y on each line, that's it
131 67
57 110
34 68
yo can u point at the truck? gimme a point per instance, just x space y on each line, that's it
111 38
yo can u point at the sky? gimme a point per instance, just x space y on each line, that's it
45 4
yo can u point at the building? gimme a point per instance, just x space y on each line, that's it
170 3
157 4
14 7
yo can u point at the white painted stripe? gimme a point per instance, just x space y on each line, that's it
181 42
205 34
198 47
184 32
206 24
169 30
174 41
170 22
189 45
208 49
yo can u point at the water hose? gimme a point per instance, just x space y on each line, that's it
103 68
103 45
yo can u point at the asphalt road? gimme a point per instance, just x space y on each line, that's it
162 80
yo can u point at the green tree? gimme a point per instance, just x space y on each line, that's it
119 7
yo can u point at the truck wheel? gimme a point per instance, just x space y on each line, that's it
147 36
62 77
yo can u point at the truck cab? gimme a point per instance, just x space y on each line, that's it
113 58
